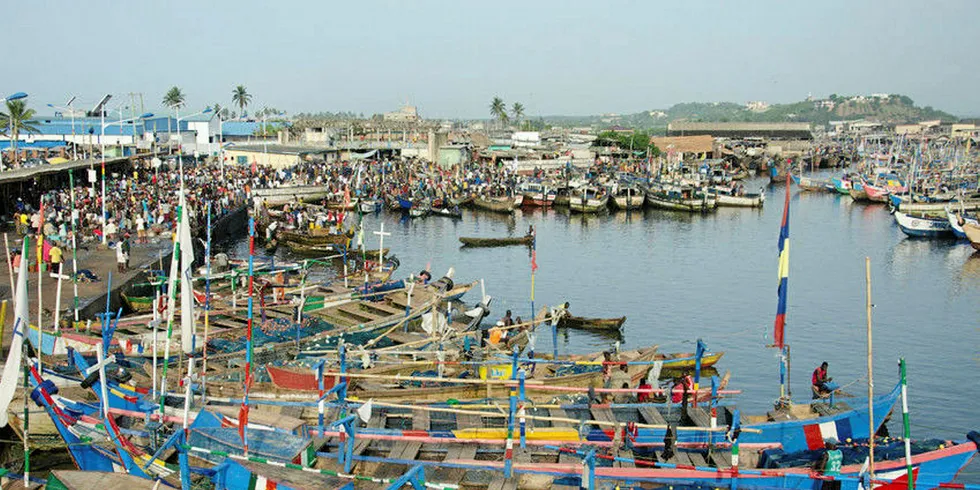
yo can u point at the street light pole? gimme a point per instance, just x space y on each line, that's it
102 144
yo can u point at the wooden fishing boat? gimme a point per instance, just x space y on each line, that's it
682 200
972 232
588 200
876 193
453 212
811 184
504 204
369 205
857 191
629 197
310 250
584 323
726 196
536 194
920 225
496 242
957 220
419 210
316 237
561 196
550 375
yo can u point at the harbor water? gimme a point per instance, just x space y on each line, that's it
679 277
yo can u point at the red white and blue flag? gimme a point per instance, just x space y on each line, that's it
783 272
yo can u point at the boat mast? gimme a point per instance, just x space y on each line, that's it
871 384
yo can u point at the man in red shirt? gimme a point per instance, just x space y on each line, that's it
819 381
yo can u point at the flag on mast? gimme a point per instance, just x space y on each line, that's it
11 370
186 278
783 272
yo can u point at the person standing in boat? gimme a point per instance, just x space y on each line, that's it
830 464
820 380
507 320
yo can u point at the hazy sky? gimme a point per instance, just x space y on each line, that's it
450 58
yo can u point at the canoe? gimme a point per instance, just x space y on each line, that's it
588 200
504 204
957 221
324 250
973 234
724 197
543 373
923 226
453 212
592 323
677 203
496 242
321 237
137 304
811 184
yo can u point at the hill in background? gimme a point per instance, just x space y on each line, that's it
886 108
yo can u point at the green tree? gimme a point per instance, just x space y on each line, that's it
17 119
498 110
241 98
174 98
518 111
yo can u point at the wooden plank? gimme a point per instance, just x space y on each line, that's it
420 420
697 459
699 416
463 452
652 416
722 459
557 412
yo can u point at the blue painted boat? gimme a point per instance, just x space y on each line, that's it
241 475
404 203
792 435
87 457
923 225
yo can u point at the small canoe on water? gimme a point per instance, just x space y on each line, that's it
614 324
496 242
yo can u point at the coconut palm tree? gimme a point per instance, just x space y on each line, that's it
518 111
498 110
174 99
241 98
18 118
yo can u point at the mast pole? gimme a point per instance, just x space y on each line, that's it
906 429
871 384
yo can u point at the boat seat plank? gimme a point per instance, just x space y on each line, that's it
652 416
697 459
680 457
699 416
356 313
721 459
603 414
464 452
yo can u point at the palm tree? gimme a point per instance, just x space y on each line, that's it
498 110
518 111
241 98
18 118
174 99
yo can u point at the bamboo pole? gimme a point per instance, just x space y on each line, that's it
10 266
871 384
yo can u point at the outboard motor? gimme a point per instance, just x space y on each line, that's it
444 284
477 314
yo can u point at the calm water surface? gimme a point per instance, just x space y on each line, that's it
679 277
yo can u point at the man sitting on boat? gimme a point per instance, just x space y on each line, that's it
820 382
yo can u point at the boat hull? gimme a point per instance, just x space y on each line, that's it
923 226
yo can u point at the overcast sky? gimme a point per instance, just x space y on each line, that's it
450 58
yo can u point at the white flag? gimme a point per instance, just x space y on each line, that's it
11 370
364 411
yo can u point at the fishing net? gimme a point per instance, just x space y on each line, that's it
854 453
